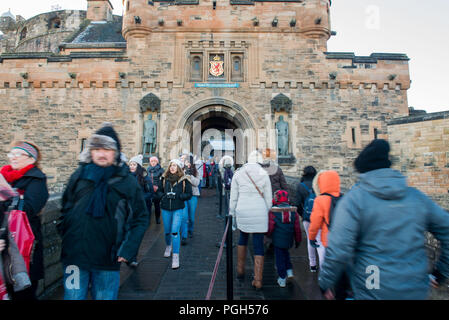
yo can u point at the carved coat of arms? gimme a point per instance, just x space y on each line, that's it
216 67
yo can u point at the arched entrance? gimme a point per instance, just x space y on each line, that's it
218 122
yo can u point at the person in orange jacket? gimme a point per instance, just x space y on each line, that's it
324 182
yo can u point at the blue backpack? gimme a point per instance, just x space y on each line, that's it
308 203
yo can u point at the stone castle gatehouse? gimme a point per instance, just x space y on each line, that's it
201 69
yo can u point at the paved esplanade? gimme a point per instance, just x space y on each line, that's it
154 279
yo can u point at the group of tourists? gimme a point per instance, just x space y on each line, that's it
370 242
378 224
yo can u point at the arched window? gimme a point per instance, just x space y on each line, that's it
55 23
237 64
196 68
237 67
23 33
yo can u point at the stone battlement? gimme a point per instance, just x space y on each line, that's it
308 17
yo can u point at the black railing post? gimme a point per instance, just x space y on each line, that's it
229 263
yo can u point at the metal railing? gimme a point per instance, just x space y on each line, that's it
227 236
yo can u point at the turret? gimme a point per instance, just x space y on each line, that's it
99 10
310 18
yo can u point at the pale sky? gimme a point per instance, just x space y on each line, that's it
417 28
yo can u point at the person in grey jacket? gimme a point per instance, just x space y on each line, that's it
379 226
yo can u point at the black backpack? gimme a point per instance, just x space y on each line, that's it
334 201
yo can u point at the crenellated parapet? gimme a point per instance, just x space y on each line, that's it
310 18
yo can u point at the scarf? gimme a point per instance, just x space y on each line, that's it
12 175
172 178
100 177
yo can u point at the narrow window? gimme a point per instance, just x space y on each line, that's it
23 33
353 135
196 68
237 68
375 133
83 144
237 65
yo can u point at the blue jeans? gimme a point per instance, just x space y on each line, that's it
191 208
172 227
259 249
103 284
283 262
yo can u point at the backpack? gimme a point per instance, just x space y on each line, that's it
228 174
308 203
333 205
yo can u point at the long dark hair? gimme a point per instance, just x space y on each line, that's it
141 173
192 170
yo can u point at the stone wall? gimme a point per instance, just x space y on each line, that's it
52 248
420 150
44 32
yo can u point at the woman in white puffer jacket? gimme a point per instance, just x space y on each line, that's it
250 209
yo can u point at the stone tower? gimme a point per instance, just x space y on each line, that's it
99 10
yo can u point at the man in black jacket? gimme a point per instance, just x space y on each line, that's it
104 218
302 193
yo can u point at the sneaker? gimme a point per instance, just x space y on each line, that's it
290 273
167 252
313 268
133 264
282 282
175 261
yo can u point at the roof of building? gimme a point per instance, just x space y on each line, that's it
98 32
9 14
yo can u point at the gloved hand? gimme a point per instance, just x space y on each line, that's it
314 244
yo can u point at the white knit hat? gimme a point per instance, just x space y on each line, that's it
178 163
137 159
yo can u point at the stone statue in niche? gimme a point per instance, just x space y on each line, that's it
149 135
282 136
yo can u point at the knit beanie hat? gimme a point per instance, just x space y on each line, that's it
373 157
137 159
178 163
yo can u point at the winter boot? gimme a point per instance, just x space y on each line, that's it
241 257
258 272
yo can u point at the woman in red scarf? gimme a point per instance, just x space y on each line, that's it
23 173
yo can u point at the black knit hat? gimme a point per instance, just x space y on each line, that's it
373 157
